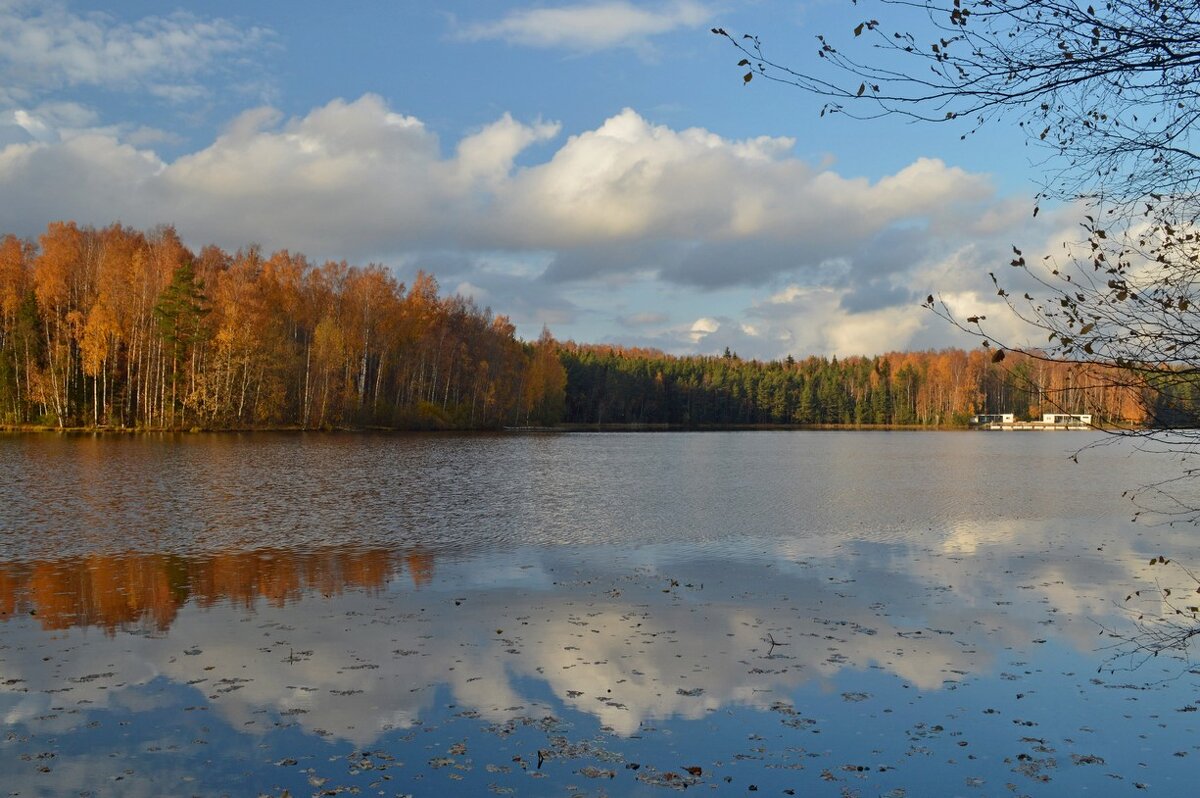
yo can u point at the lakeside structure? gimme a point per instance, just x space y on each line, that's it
1049 421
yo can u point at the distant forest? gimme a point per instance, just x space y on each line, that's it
607 384
118 328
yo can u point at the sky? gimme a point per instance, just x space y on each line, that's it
596 166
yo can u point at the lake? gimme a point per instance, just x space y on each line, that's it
784 613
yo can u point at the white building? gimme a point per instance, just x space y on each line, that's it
993 418
1069 419
1049 421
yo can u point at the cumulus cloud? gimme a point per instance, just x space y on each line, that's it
627 206
703 327
45 45
709 211
590 26
487 157
355 176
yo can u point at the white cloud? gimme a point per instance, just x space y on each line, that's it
487 156
51 120
44 45
885 330
627 207
802 320
590 26
355 177
630 181
31 125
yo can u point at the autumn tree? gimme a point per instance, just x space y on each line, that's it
545 382
329 357
18 328
60 258
99 333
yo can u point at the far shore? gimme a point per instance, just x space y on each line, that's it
560 428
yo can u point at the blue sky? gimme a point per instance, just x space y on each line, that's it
596 166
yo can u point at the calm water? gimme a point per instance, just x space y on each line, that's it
895 614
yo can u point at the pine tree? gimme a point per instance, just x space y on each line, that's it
180 313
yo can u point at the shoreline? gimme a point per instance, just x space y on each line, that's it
560 428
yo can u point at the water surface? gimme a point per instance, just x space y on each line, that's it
827 613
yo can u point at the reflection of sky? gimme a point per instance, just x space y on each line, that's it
894 644
625 640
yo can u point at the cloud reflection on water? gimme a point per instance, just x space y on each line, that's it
352 643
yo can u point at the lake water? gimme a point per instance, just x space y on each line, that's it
785 613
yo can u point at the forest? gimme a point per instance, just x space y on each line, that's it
116 328
610 385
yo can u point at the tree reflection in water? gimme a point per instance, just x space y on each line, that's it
804 666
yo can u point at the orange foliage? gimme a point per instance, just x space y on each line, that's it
132 330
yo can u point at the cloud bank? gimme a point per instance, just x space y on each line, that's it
625 203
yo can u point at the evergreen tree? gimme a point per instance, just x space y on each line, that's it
180 312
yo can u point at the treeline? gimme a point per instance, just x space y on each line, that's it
121 328
125 329
615 385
